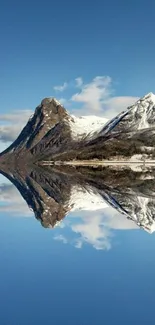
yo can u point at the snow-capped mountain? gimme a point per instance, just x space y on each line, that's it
52 134
46 116
52 129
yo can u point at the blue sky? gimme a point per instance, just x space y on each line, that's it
44 44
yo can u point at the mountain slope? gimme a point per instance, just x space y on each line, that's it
45 117
139 116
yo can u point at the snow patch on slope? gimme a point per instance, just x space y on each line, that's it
86 125
86 198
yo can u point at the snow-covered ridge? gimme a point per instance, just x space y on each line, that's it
80 126
139 116
138 208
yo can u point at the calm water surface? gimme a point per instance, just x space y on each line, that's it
96 267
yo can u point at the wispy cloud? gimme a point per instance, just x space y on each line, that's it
24 114
95 97
12 202
92 94
93 228
96 228
79 82
61 87
115 105
9 128
90 230
9 133
61 238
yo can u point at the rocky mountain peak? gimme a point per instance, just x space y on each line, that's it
51 105
49 113
137 117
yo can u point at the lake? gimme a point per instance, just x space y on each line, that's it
92 266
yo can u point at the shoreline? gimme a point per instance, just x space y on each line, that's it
99 163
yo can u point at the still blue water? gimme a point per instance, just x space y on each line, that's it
95 268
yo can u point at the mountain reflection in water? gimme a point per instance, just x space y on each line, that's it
53 192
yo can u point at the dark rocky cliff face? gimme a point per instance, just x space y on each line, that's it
46 116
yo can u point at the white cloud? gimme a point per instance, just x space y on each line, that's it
93 93
115 220
78 244
61 87
12 202
93 232
61 238
96 229
9 128
79 82
96 98
15 115
9 133
115 105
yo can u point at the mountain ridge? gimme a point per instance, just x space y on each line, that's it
53 134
